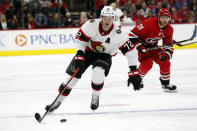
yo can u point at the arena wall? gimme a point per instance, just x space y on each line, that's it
62 41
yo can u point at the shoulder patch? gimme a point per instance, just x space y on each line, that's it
118 31
92 20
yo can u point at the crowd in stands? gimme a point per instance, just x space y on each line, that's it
32 14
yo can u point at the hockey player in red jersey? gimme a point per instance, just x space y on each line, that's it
147 35
97 40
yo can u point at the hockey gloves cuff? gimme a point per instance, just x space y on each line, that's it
79 59
134 78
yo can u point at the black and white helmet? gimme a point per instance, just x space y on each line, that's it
107 11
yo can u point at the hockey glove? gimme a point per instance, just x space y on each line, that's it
140 48
79 59
134 78
138 45
166 54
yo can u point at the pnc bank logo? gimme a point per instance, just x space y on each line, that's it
21 40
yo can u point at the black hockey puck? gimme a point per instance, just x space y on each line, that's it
63 120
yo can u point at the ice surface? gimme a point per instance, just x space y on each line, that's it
28 83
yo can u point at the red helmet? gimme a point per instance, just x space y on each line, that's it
164 12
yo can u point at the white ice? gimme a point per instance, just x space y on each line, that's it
29 83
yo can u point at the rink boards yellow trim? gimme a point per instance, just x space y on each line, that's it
186 47
37 52
62 51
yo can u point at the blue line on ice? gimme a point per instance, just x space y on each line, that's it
105 113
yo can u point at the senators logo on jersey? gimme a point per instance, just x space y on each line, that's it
96 45
100 48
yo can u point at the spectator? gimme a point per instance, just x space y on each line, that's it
127 6
13 23
138 17
54 3
123 2
144 10
54 23
26 14
152 6
32 4
193 5
17 5
174 17
3 22
83 18
117 2
118 13
31 22
125 19
99 6
63 8
43 3
158 7
41 20
10 11
3 7
49 11
35 9
150 14
191 18
165 4
178 4
138 4
184 14
69 22
133 10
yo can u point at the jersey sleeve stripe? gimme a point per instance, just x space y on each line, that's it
128 46
82 36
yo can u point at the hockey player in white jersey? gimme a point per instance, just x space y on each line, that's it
97 41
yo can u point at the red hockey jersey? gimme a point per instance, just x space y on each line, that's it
150 33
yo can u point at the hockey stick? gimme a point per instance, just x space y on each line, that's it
38 116
177 42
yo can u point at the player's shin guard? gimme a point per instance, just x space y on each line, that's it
98 77
64 94
165 83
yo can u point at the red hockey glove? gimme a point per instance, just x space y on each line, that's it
166 54
79 59
134 78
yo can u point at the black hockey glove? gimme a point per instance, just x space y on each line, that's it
134 78
79 59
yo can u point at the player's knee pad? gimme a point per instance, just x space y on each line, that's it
67 89
106 65
98 77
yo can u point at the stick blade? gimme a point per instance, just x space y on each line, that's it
38 117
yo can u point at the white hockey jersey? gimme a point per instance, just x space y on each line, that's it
90 37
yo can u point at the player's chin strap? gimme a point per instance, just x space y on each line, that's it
179 43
